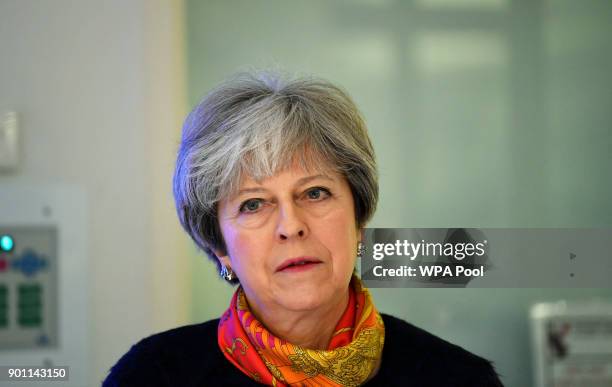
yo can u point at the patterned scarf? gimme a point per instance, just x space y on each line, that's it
352 357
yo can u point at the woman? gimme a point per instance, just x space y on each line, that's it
275 181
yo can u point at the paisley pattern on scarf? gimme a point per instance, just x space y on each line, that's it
353 354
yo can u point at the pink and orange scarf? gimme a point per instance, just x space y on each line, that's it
352 357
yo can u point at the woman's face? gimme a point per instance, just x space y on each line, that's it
291 239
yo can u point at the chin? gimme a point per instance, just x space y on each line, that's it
305 298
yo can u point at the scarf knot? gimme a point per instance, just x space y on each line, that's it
352 357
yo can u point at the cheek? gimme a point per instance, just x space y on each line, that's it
341 244
242 246
233 241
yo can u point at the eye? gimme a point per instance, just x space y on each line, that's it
251 205
317 193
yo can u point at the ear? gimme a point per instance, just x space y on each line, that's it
222 257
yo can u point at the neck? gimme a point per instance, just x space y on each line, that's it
312 329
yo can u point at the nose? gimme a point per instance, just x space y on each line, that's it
291 223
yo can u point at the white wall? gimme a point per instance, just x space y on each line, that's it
99 90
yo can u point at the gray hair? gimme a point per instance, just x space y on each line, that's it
256 124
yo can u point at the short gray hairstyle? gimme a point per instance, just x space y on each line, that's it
256 124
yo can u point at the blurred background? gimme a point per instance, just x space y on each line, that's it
483 113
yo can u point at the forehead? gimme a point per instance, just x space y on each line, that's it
258 167
293 174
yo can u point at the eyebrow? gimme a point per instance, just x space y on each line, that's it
302 181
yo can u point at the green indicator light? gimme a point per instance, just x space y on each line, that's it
6 243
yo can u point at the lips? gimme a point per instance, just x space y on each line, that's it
297 262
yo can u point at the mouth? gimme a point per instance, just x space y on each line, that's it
298 264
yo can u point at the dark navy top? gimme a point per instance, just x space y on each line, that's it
189 356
